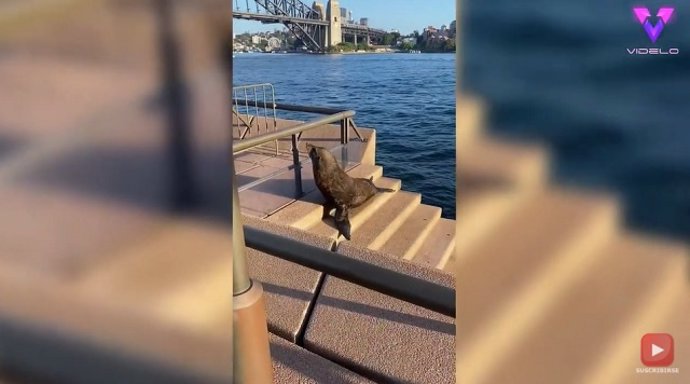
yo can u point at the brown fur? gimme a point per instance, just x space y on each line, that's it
341 191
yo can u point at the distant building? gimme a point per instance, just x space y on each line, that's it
395 31
349 17
452 28
274 43
343 13
318 6
256 39
364 21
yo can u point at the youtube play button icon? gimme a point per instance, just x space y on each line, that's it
656 350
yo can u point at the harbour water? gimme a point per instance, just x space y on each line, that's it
408 99
559 72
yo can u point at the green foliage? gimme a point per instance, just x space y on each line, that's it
347 47
390 38
449 45
407 46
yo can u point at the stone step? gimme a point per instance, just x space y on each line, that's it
575 333
439 246
520 271
408 239
294 364
381 226
289 288
496 178
360 214
380 337
305 212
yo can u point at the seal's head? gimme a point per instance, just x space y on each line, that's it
313 152
321 157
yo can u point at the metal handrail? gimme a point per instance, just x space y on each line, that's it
297 108
413 290
306 109
258 140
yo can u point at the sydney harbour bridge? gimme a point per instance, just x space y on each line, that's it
317 26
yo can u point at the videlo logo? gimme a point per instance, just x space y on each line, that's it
653 30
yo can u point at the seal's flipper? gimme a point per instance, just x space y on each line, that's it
342 221
327 208
343 227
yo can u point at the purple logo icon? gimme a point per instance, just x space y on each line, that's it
653 31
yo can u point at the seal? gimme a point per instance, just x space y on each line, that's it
340 191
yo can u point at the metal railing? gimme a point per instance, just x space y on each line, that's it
256 110
342 116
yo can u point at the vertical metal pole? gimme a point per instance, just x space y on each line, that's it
251 351
343 140
343 131
240 276
298 167
179 127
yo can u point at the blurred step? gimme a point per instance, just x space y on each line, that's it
665 309
677 327
179 273
469 120
496 178
439 246
407 240
359 215
493 163
73 329
521 270
574 334
305 212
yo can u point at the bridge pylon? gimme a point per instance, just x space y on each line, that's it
335 35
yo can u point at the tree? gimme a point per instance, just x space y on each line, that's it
388 39
449 45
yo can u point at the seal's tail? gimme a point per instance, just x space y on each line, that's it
371 180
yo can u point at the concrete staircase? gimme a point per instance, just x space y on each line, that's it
551 288
397 224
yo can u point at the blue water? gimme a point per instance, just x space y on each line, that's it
408 99
558 72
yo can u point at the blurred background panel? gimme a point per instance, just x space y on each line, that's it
573 192
114 233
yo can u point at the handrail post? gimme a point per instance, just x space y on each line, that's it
251 351
343 131
298 166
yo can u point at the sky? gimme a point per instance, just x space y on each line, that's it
404 15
